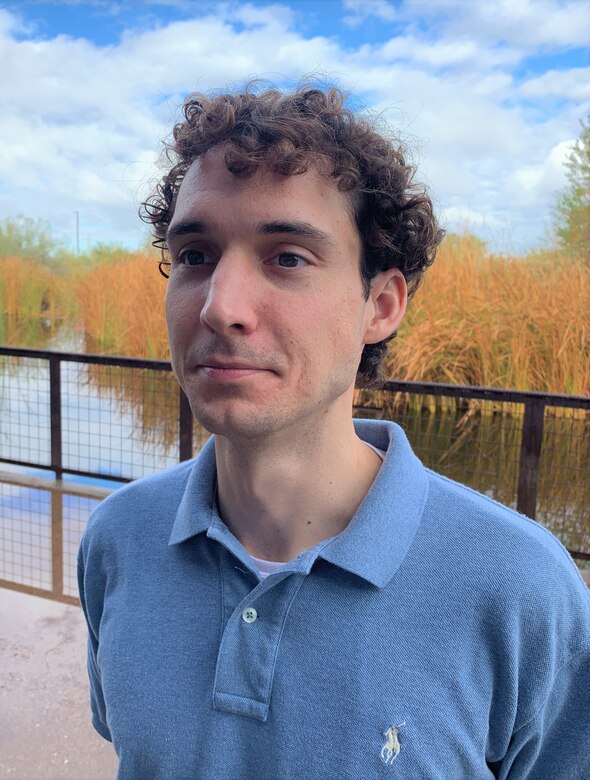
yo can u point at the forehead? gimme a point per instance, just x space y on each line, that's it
207 185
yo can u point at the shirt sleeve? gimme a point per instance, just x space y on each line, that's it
97 703
555 743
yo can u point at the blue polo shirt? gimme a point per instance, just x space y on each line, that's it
439 636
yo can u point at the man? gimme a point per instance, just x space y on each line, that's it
305 599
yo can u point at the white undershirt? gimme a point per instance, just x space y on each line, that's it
270 567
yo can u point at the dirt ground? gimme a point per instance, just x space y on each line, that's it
45 730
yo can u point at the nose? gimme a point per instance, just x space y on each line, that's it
231 300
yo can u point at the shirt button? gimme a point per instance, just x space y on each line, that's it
249 615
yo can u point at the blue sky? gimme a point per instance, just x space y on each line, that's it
488 93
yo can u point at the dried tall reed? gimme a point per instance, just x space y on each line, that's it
518 322
121 307
31 300
522 323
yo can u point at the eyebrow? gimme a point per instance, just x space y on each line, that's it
296 228
292 228
183 228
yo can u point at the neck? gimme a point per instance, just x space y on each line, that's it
280 498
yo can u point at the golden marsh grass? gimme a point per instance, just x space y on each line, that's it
120 307
517 322
521 323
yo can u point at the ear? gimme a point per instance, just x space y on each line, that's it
389 296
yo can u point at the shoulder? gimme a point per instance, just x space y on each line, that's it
493 523
517 558
143 502
521 588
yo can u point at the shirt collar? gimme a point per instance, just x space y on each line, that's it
378 537
197 509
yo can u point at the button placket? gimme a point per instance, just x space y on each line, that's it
249 645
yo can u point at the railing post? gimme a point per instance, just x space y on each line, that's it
185 425
57 543
57 466
530 456
55 414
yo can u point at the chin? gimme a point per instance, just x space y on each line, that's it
234 423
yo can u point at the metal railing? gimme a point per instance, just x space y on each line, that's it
57 412
532 429
55 361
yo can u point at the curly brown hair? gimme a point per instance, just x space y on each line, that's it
288 132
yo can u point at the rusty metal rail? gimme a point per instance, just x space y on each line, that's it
532 430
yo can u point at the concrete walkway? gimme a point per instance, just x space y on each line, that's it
45 730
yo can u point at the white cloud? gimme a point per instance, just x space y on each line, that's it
521 23
363 9
435 54
544 178
469 219
572 84
81 123
253 16
11 23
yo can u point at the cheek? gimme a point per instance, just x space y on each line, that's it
332 345
182 311
347 328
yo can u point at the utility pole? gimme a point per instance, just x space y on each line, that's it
77 213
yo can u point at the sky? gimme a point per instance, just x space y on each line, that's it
487 94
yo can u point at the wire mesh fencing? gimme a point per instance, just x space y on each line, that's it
73 427
25 414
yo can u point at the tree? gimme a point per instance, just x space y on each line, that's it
27 238
572 211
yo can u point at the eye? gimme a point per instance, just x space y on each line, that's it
194 257
289 260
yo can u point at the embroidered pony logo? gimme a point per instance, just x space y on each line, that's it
391 748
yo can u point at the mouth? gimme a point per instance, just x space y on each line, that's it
229 366
228 372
